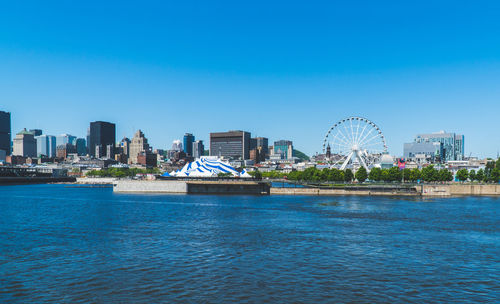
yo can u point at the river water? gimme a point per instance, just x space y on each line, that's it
78 245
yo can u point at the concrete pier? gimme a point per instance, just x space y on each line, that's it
191 187
446 190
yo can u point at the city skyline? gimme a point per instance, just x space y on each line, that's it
175 69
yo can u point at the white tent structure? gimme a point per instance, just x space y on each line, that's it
208 166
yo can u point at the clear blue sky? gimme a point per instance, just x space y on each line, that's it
284 70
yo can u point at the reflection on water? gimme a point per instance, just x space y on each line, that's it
80 245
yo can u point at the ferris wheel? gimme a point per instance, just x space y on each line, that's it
354 142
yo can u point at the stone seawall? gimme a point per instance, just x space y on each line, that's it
420 190
96 180
317 191
459 189
191 187
131 186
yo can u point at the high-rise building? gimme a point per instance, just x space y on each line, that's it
188 144
65 139
63 151
177 145
138 145
198 149
81 146
46 145
5 136
430 151
283 148
36 132
232 144
263 144
125 146
102 135
452 144
24 144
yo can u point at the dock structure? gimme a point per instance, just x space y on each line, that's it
192 187
186 186
32 175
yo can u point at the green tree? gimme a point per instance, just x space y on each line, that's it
337 175
445 175
406 174
429 174
462 175
361 174
375 174
348 175
495 175
384 175
480 176
415 174
472 175
395 174
498 164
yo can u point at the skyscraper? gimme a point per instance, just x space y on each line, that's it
81 146
5 136
198 149
36 132
138 145
102 135
65 139
188 144
46 145
125 145
232 144
24 144
284 148
452 144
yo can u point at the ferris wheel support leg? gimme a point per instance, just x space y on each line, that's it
358 155
347 161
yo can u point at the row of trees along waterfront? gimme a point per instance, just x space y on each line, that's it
490 174
121 172
394 174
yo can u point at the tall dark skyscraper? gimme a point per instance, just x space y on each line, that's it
102 135
188 143
232 144
5 136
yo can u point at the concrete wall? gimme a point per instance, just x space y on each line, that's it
191 187
228 188
96 180
460 189
131 186
316 191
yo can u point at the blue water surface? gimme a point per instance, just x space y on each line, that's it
64 244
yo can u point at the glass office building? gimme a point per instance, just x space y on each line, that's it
5 133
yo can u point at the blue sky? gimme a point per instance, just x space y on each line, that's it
284 70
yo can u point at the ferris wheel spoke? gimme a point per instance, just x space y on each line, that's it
347 141
361 134
357 132
362 140
340 139
371 138
372 144
352 130
347 132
